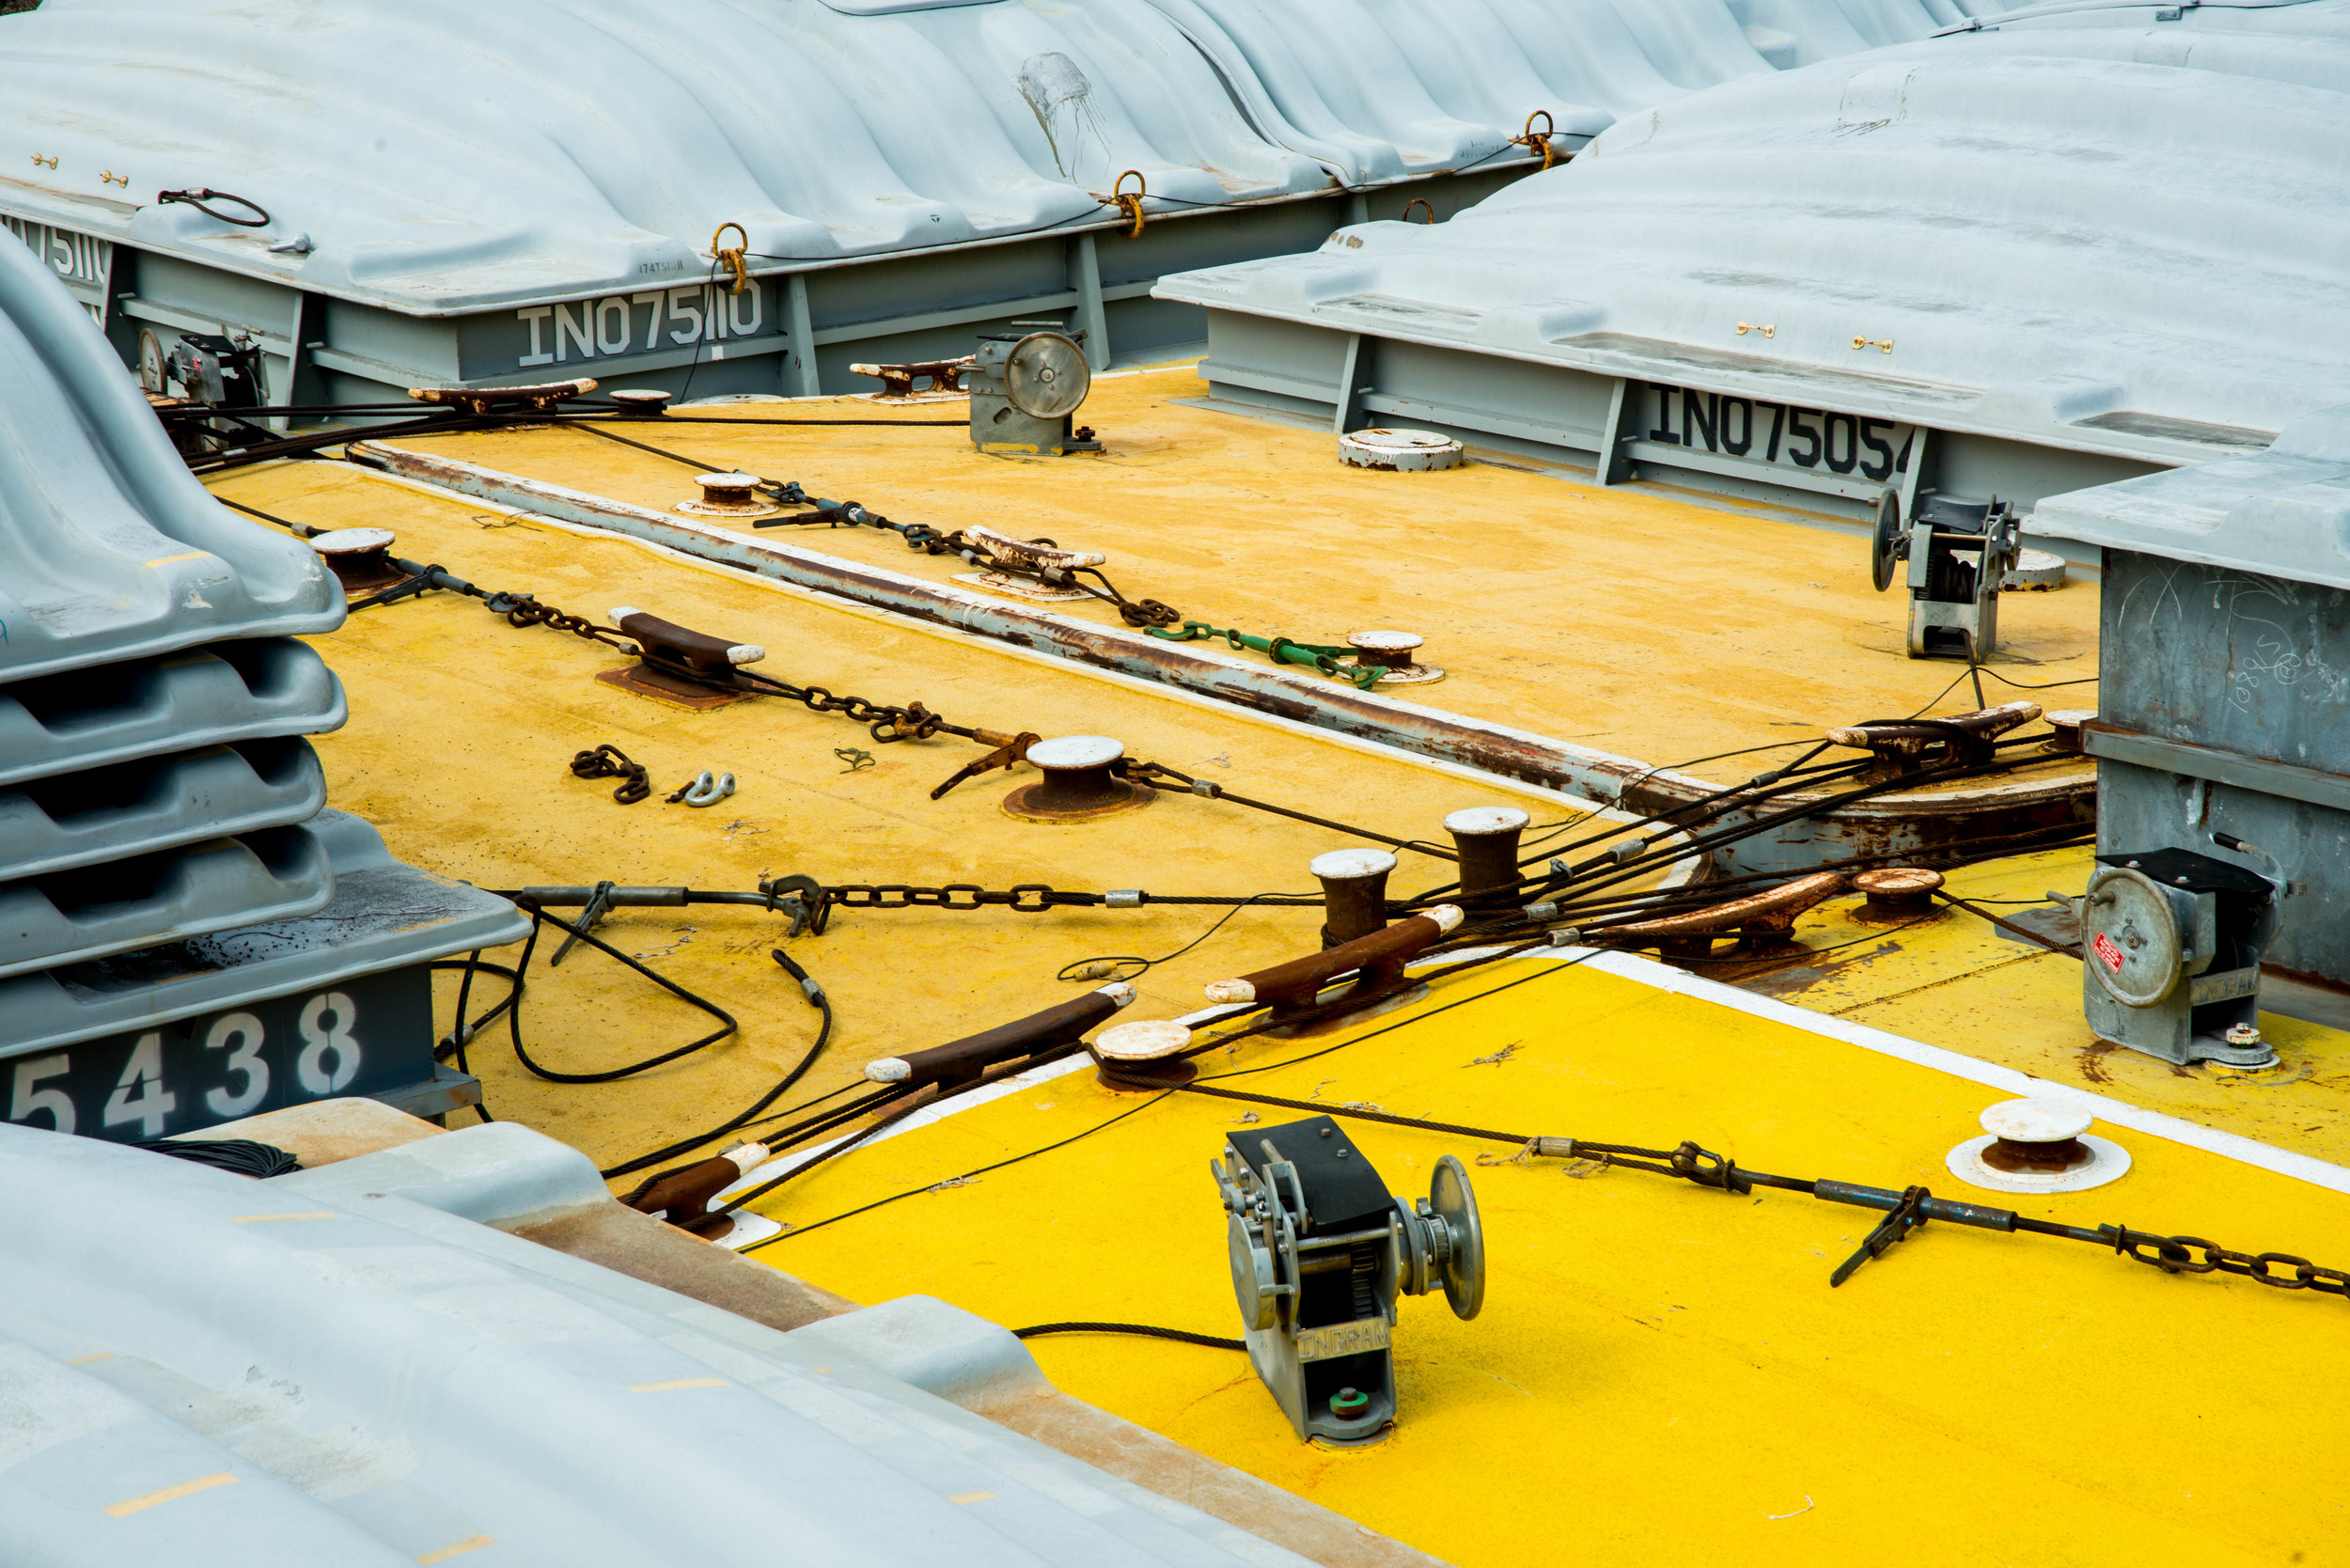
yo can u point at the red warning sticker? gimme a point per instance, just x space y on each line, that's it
2106 951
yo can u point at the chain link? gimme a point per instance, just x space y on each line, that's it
2176 1255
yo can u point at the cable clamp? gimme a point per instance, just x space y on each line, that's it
1122 898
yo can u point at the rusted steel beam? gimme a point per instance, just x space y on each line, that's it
1914 825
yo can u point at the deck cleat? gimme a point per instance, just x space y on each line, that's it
1393 650
1293 991
677 664
941 379
1051 565
965 1060
729 495
2037 1146
360 558
1761 923
1080 782
1904 747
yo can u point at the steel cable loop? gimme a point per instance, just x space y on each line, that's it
538 918
1144 1330
197 199
817 999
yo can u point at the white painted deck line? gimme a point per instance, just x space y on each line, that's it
1663 977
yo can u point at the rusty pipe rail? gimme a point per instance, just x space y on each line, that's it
1896 824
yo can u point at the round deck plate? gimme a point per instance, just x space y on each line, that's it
2035 571
1409 451
2129 938
2112 1162
1046 376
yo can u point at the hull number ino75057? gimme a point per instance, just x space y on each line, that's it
1818 441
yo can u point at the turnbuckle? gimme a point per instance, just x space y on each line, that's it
1907 1215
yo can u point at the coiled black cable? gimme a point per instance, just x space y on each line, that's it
239 1156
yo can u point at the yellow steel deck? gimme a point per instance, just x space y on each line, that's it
1659 1369
463 729
1626 621
1629 621
1661 1373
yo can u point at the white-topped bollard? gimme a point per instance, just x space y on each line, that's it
729 495
1354 892
1487 839
1080 781
361 558
1393 650
2037 1146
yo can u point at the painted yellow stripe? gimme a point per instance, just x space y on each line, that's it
183 556
680 1382
471 1544
128 1506
256 1219
971 1498
93 1356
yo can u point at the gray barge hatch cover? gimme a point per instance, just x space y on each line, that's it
2043 251
532 189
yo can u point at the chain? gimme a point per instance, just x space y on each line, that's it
522 609
2175 1255
610 762
886 722
922 537
1322 657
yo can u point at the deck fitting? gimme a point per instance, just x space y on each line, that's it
1080 783
1898 892
2037 1146
1141 1056
1394 650
361 558
1487 839
729 495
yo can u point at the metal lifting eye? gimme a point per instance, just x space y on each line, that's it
735 257
1130 202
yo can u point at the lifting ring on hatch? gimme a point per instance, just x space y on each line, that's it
1130 202
1418 201
735 258
197 198
1538 144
